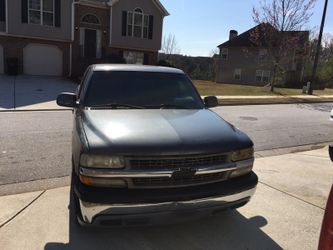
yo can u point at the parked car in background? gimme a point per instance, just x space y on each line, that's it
147 150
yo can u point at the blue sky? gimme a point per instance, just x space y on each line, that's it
199 26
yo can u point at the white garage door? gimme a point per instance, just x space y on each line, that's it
40 59
1 60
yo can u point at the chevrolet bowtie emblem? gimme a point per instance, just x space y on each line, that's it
184 173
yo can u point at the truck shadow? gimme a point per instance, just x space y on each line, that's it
228 230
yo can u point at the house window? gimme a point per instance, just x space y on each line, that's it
133 57
224 53
41 12
263 75
238 74
262 55
91 19
137 24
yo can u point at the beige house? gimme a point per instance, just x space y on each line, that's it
63 37
241 61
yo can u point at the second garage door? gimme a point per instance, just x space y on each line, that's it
1 60
40 59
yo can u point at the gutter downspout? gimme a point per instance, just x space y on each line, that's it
72 40
111 14
7 16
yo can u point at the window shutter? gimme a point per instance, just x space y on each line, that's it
124 23
151 27
57 12
2 10
24 10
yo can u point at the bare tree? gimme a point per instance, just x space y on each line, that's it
278 19
214 52
170 46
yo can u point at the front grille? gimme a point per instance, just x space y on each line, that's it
185 181
179 162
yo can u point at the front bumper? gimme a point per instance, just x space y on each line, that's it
117 207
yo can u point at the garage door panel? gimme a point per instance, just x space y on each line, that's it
40 59
1 60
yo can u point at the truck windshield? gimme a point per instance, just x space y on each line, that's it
141 89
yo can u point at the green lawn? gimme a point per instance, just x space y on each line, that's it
211 88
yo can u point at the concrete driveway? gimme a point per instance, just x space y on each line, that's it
32 92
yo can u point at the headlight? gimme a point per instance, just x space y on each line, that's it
242 154
98 161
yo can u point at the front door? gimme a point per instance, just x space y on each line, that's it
90 44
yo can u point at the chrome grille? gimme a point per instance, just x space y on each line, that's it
186 181
179 162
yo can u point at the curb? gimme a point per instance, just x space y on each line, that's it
31 110
273 101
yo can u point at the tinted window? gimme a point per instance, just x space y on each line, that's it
141 89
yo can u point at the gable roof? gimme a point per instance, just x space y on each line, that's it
157 3
244 39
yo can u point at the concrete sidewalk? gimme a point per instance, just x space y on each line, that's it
285 213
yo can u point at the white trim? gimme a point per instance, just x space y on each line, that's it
111 15
70 60
42 11
143 15
82 36
136 49
97 5
226 53
99 37
157 3
73 21
263 73
161 7
7 26
238 72
33 37
99 20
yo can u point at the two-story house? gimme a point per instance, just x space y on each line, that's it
62 37
244 61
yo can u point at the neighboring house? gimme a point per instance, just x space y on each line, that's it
242 61
63 37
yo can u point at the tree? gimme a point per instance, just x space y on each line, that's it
169 47
214 52
278 19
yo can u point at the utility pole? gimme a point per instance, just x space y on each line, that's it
315 64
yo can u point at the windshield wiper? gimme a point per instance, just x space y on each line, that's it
117 105
166 106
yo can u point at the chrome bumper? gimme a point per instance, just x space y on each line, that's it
90 210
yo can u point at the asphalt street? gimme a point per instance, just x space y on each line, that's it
37 145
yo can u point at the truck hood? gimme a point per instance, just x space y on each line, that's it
160 132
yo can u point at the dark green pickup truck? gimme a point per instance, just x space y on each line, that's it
148 150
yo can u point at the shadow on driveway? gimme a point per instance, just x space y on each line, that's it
229 230
26 91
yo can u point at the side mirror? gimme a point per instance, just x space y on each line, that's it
66 99
330 151
211 101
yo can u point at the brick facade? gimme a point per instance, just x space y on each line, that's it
109 54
